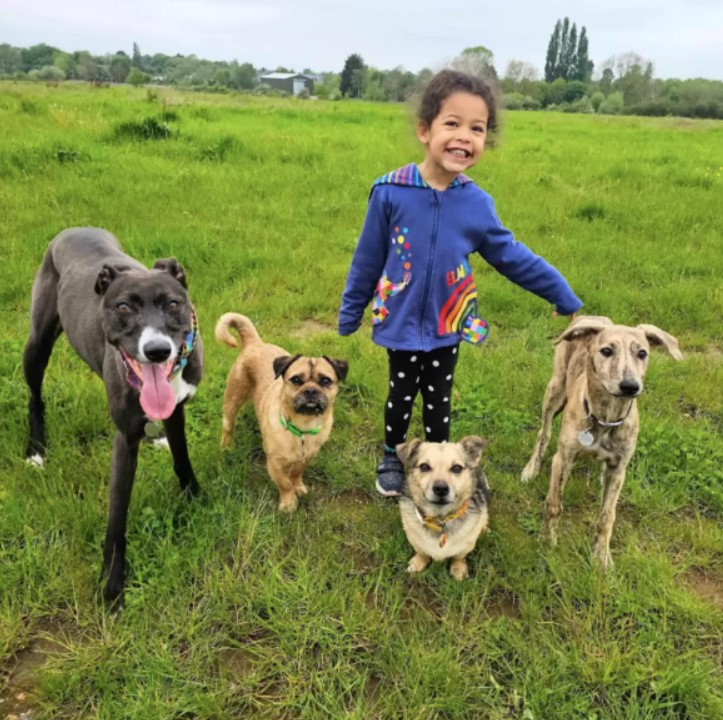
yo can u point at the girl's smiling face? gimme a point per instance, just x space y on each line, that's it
455 140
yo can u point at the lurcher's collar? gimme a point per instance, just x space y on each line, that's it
439 525
603 423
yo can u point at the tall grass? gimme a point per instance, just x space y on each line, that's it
235 611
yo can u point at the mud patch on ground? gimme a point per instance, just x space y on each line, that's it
503 604
20 676
311 327
706 585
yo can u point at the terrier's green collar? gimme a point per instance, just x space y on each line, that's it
294 430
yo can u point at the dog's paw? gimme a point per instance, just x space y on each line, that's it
602 556
288 504
36 460
458 569
301 489
530 472
417 564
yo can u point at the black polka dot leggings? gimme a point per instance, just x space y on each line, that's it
409 373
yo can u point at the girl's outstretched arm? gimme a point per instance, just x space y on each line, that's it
366 265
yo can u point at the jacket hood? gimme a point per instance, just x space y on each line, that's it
410 176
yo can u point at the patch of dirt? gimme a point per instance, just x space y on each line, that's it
706 586
19 679
503 604
311 327
349 500
235 663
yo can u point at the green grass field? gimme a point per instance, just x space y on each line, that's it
235 611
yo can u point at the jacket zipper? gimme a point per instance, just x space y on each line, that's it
427 279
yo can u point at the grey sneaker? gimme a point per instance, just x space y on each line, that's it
390 476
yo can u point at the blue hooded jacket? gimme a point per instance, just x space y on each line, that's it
412 258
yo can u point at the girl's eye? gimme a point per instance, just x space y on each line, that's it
478 128
606 351
457 469
123 308
425 468
296 380
451 123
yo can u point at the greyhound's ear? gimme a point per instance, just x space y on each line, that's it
473 447
584 326
282 363
660 338
172 267
341 367
105 277
407 452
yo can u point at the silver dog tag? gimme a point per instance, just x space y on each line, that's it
152 430
585 438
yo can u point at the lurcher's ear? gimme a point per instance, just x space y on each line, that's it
660 338
173 268
282 363
407 452
105 277
584 326
341 367
473 447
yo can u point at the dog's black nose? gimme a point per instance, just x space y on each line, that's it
440 488
629 387
157 350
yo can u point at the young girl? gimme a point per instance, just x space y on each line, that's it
422 223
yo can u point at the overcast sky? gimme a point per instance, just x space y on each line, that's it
684 38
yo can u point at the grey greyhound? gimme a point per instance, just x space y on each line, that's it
135 328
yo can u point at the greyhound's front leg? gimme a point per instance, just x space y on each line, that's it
122 475
560 471
613 480
175 428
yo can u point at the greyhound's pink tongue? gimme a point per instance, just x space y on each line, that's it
157 397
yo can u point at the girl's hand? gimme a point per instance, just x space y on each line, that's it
557 314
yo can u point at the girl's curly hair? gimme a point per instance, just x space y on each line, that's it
448 82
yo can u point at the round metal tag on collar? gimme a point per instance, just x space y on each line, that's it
585 438
152 429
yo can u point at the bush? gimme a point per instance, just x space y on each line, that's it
597 99
513 101
148 129
613 104
137 77
304 94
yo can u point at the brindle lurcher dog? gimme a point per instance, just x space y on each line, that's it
597 375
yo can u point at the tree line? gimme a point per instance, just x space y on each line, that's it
623 84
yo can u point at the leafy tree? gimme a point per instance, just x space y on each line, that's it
569 56
51 73
553 53
119 68
37 56
351 76
86 65
137 61
10 59
137 77
583 63
476 60
243 77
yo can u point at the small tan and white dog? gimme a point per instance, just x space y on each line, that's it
597 376
445 501
293 397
